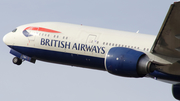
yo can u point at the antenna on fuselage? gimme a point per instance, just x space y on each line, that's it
137 31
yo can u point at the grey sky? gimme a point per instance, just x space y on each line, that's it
53 82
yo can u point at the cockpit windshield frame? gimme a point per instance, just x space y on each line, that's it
14 30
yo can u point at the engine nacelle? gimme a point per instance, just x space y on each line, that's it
127 62
176 91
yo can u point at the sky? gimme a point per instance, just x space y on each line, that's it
55 82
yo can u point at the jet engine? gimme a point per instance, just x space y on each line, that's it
176 91
128 62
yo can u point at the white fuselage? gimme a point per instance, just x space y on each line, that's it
80 34
77 45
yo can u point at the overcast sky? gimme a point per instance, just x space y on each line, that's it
54 82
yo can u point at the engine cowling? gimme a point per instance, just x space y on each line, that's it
127 62
176 91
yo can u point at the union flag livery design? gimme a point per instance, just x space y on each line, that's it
27 31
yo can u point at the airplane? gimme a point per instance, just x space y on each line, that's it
120 53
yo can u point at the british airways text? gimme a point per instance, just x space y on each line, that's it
76 46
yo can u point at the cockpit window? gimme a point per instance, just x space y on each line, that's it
14 30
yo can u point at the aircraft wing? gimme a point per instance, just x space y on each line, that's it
167 42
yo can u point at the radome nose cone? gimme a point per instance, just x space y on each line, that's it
4 39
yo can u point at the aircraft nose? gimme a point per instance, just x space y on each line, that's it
5 39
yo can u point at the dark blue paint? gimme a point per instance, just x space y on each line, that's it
123 61
164 76
80 60
62 57
176 91
15 53
27 34
21 56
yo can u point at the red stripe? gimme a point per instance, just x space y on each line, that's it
42 29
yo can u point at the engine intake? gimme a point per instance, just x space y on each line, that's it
127 62
176 91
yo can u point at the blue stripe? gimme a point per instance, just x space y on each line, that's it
78 60
164 76
62 57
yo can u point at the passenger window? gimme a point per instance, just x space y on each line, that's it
103 43
97 42
116 45
109 44
113 44
106 43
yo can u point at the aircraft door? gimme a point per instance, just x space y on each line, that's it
90 43
91 39
31 33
